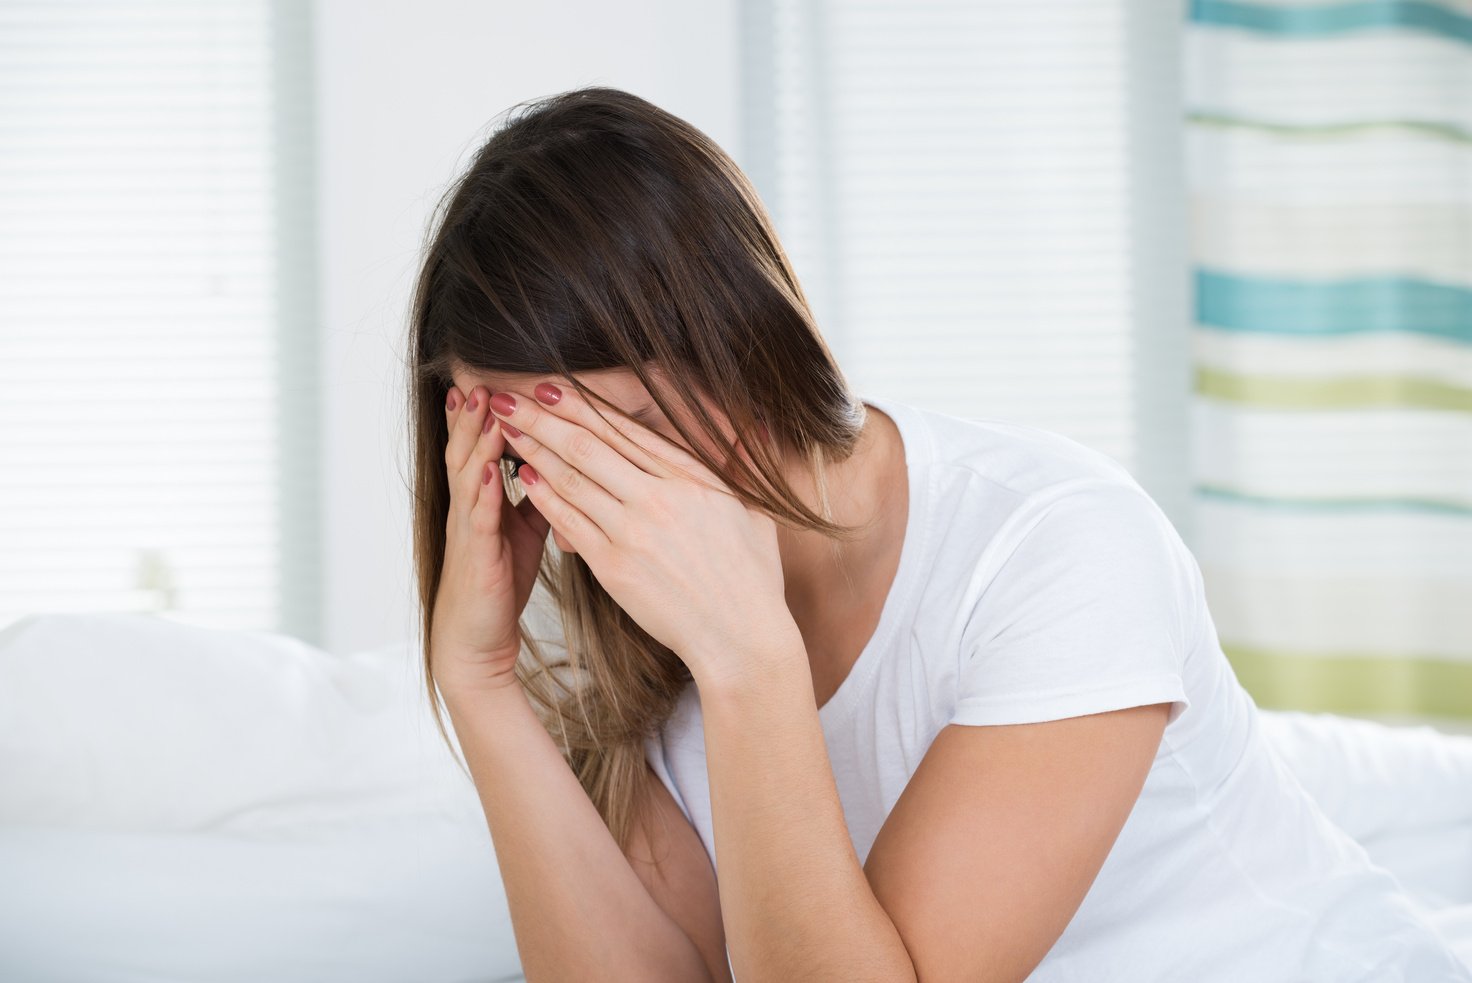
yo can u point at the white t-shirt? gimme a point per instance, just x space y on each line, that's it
1037 580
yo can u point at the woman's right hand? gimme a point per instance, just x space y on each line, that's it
492 553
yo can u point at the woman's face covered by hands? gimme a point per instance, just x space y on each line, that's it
620 386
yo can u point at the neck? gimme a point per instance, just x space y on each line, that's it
824 578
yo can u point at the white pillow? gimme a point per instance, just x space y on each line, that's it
181 802
133 721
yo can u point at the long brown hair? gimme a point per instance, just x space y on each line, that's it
594 230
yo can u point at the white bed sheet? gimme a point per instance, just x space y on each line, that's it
386 901
182 803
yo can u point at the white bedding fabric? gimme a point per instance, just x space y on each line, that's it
190 804
182 803
1405 793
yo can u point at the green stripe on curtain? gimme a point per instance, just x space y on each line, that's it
1419 127
1328 19
1292 392
1353 684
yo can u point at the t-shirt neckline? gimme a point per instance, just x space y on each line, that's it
914 439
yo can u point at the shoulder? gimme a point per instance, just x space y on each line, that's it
995 484
1020 462
1090 537
989 463
1008 510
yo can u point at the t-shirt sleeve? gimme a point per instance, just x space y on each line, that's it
1088 613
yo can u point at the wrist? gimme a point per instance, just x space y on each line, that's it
459 688
471 707
762 660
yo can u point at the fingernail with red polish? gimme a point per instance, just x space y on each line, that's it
510 430
547 393
527 475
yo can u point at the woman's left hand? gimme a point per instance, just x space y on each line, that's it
680 553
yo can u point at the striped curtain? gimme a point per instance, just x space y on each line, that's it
1330 172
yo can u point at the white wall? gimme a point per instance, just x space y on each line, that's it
405 92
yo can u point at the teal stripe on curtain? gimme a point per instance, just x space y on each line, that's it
1320 19
1258 303
1360 505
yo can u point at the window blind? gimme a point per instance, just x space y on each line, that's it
955 182
156 337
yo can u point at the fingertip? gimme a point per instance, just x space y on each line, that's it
492 488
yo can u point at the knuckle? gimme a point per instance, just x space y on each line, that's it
467 481
570 480
530 414
607 426
598 425
580 446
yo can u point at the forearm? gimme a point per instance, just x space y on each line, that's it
578 910
795 900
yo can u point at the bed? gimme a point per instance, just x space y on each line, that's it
187 803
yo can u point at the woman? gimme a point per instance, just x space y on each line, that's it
937 699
